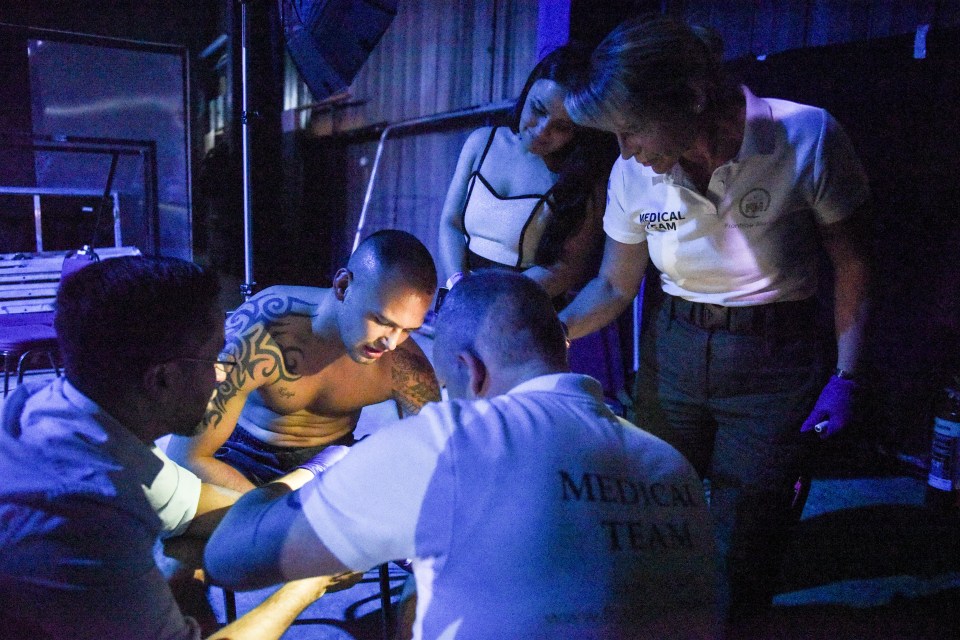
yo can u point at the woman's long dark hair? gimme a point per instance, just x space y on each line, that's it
585 161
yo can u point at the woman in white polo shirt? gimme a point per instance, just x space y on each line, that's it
731 197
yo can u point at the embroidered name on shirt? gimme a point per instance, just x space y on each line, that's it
659 220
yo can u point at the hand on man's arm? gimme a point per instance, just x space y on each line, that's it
272 617
247 549
605 297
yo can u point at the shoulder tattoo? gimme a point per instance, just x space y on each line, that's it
414 382
261 338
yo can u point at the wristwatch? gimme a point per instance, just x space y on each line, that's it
843 374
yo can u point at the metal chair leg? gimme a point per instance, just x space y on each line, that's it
20 362
23 359
53 363
6 374
386 607
230 605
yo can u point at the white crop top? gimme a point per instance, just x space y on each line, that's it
504 229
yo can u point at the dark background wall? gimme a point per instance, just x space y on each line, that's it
757 27
179 22
855 58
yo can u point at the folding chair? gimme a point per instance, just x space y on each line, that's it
26 338
22 345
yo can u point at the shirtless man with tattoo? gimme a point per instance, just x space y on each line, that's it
309 359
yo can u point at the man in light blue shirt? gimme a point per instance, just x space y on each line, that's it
140 339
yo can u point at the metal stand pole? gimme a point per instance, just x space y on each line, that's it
246 288
503 105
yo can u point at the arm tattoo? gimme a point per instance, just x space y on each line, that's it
226 390
414 383
261 338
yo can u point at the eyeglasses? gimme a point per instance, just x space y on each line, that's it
222 366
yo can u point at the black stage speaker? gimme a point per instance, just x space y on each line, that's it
329 40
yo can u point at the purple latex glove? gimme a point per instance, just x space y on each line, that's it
834 406
325 459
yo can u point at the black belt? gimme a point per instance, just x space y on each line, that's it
742 320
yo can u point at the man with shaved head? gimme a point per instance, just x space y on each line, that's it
310 359
529 509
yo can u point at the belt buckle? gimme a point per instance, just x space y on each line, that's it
713 316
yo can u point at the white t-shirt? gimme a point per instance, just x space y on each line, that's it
752 239
535 514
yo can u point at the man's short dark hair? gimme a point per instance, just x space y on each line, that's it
508 312
116 318
401 255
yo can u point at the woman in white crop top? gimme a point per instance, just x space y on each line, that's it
530 196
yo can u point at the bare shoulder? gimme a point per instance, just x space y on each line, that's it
273 304
474 145
409 355
290 295
478 139
308 294
412 377
266 334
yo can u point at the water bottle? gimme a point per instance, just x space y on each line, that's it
943 483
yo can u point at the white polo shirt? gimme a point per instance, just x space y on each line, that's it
752 239
534 514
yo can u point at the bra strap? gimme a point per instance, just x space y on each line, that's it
541 201
473 182
483 155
